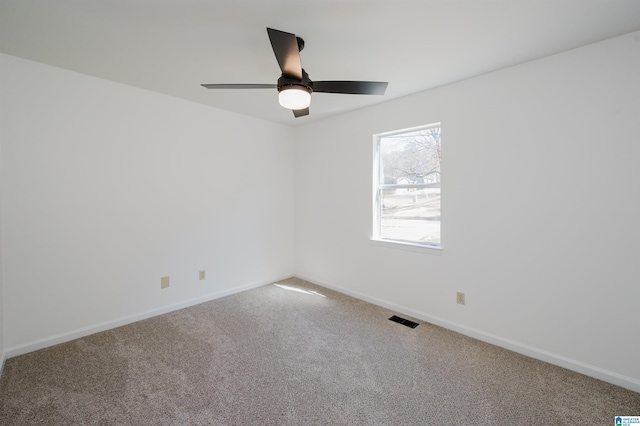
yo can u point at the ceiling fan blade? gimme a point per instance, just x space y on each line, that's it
351 87
240 86
285 47
300 112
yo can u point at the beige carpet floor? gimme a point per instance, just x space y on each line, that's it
295 354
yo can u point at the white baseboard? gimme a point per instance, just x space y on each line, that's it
530 351
86 331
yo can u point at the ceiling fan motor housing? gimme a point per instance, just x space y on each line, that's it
285 82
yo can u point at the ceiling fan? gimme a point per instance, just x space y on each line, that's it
294 85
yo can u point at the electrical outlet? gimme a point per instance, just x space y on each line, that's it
201 275
164 282
460 298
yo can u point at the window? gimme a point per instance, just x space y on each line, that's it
406 186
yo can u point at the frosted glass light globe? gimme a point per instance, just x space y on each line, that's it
294 98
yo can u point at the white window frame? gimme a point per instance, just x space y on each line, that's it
376 238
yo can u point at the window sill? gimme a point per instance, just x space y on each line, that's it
399 245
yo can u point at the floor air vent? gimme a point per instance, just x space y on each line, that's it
403 321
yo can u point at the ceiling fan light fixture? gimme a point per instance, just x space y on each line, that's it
294 97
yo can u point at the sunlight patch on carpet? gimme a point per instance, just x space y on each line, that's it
299 290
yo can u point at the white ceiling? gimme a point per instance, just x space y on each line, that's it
171 46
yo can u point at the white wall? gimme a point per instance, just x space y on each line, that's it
106 188
2 353
540 208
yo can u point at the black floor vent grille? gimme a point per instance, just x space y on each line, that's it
403 321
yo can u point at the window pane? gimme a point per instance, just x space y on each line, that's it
410 157
411 215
